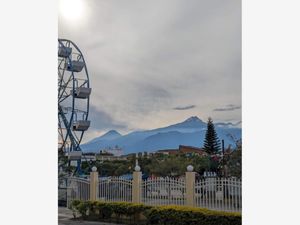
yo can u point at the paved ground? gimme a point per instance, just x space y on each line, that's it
65 215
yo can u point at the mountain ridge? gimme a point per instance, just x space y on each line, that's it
189 132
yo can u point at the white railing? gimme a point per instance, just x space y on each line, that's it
78 189
224 194
163 191
115 189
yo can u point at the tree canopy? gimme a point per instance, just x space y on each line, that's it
212 143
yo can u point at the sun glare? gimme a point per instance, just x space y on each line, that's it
71 9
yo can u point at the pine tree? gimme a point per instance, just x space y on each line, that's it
211 142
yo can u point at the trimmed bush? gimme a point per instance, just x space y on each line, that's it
83 208
159 215
105 210
179 215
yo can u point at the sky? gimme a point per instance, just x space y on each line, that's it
159 62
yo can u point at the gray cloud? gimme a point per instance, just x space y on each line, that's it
145 57
184 107
101 120
228 108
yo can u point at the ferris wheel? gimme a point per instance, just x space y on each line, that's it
73 99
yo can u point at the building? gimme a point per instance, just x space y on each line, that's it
183 149
116 151
88 157
191 150
168 151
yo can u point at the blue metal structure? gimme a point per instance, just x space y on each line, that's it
73 99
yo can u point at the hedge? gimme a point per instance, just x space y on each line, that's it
158 215
179 215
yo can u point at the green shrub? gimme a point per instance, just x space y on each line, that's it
105 210
178 215
160 215
128 209
83 208
74 204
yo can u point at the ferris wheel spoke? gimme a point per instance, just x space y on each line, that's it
62 98
64 86
76 137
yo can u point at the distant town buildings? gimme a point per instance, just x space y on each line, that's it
183 149
88 157
116 151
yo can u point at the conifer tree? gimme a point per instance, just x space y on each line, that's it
211 142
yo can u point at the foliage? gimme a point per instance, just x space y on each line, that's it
74 204
178 215
130 210
83 208
171 165
168 215
234 163
201 163
96 210
105 211
157 165
212 143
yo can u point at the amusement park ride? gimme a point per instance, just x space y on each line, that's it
73 101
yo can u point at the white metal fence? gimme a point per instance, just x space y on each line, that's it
115 189
223 194
163 191
78 189
62 192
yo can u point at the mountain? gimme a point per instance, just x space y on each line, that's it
191 124
101 142
189 132
110 135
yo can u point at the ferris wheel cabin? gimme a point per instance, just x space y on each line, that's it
81 125
82 92
64 52
74 155
75 66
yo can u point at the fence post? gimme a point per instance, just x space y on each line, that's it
94 184
190 186
136 184
69 192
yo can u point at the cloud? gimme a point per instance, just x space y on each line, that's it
101 120
228 108
146 57
184 107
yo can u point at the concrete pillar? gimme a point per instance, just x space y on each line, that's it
136 185
190 186
94 184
